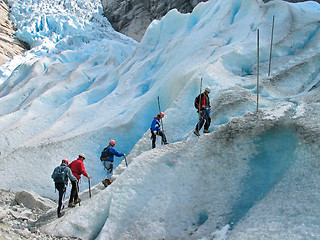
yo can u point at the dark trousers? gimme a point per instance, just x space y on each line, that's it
154 138
203 117
61 187
74 192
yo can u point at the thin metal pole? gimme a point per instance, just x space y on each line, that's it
271 46
200 98
200 87
258 70
77 189
160 119
125 158
89 187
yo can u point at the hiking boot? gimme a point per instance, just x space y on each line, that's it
60 214
71 204
206 131
77 200
196 133
106 182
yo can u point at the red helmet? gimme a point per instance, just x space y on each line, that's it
161 114
65 161
112 142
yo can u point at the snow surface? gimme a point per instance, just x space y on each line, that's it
256 176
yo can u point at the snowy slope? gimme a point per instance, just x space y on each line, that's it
255 175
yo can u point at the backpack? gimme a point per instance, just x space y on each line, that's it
197 100
60 174
105 154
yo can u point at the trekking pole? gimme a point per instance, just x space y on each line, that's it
89 187
200 99
125 159
160 119
77 189
62 200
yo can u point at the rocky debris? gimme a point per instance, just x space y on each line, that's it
9 46
17 221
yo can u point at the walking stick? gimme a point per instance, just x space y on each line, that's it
89 187
125 158
77 189
200 117
160 119
200 95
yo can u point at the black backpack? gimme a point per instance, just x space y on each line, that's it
197 100
105 154
60 174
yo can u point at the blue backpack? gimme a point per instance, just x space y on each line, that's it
59 175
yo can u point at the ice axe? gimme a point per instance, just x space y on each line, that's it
161 118
77 189
89 187
200 99
125 159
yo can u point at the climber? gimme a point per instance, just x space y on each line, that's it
60 176
202 104
107 158
77 168
156 130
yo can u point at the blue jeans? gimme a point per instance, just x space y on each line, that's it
203 117
109 166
